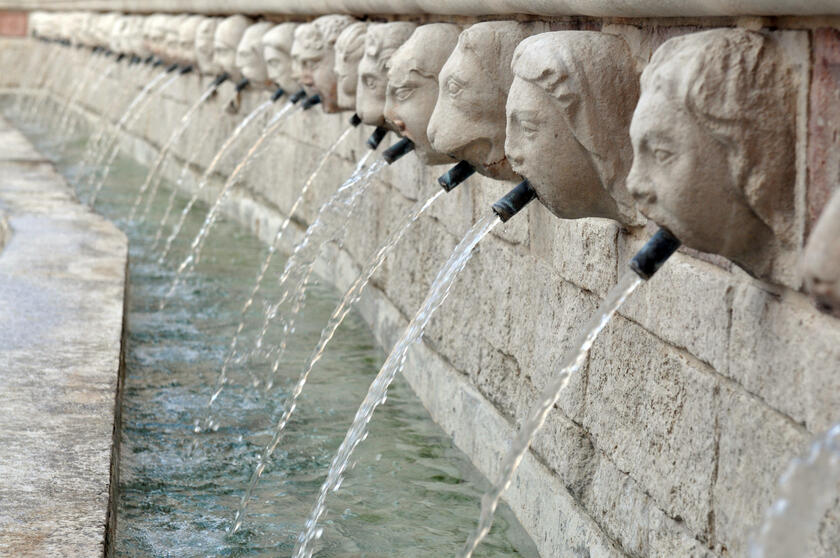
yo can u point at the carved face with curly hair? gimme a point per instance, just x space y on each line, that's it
381 41
348 52
313 56
713 144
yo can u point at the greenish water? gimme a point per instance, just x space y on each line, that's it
410 492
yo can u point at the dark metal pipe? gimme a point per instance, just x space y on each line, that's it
134 60
157 63
376 137
513 202
220 79
171 68
311 102
186 69
456 175
297 97
279 92
149 59
654 253
396 151
242 84
355 120
120 57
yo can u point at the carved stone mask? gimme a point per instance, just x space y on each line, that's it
119 33
249 53
381 41
821 262
204 51
186 39
413 85
105 27
173 38
313 57
155 34
226 41
568 119
136 42
468 122
349 48
277 48
713 145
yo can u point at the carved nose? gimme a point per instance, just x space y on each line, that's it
639 188
400 125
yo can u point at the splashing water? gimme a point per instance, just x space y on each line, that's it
208 423
378 391
807 489
127 120
350 298
231 139
569 366
156 167
272 128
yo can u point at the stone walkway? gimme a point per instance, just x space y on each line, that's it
62 287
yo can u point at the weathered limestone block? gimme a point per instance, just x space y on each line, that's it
651 410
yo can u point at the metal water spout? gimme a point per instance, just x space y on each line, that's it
186 69
355 120
171 68
377 136
311 102
654 253
456 175
242 84
297 97
278 94
398 150
513 202
220 79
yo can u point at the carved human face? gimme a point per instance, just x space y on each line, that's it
204 35
541 147
249 54
172 38
119 33
348 52
186 39
225 42
679 177
381 41
821 261
277 45
468 122
307 53
156 35
413 85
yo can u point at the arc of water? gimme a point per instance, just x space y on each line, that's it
44 84
67 125
231 139
322 230
570 365
806 491
115 149
378 391
272 128
221 379
30 77
81 79
94 153
176 134
350 298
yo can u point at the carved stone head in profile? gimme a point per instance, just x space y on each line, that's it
821 262
349 48
313 55
468 122
119 33
381 41
226 40
136 43
713 144
277 53
171 41
568 119
204 50
249 54
413 85
156 34
186 39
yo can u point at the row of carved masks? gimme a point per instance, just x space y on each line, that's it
702 143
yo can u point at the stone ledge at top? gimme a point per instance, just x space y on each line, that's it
594 8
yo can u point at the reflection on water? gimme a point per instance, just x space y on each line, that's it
409 493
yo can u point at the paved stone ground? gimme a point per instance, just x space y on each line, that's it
62 285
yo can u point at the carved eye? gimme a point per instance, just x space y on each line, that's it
403 93
662 155
369 81
529 128
453 87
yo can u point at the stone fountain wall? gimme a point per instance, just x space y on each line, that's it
695 398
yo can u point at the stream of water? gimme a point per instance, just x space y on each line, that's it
411 494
